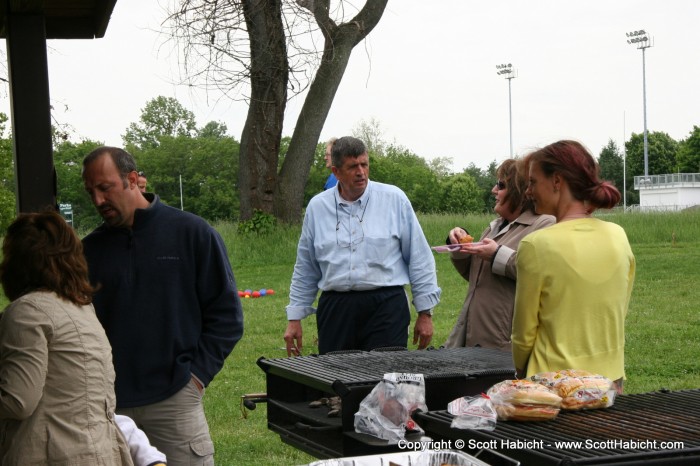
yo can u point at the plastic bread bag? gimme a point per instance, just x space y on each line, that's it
386 412
579 389
524 400
473 412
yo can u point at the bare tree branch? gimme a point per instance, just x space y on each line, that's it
214 46
263 52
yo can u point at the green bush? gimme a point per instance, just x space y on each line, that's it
261 223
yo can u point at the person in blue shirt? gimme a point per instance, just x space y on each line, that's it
332 180
360 244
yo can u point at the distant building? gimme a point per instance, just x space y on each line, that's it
675 191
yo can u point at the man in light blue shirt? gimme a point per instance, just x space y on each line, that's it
360 244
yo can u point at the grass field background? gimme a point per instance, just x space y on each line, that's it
662 330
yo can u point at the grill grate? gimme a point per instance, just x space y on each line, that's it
370 367
643 418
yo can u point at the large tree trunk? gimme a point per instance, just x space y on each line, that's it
210 33
339 42
260 140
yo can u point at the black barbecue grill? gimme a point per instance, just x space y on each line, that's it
292 383
607 436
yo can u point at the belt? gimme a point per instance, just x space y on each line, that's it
373 290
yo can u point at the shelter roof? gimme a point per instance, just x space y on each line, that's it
65 19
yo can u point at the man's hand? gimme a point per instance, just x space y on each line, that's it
423 330
292 338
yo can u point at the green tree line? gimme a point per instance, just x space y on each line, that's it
196 168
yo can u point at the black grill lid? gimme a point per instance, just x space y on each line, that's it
370 367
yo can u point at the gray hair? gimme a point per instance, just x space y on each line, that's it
347 146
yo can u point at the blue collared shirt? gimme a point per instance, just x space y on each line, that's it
330 182
373 242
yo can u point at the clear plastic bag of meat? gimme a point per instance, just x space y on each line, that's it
386 412
473 412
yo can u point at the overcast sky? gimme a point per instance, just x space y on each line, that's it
427 73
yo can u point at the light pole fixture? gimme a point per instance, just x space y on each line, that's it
507 71
642 41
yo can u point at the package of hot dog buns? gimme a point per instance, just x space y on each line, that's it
579 389
524 400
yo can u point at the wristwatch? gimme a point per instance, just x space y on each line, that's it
427 311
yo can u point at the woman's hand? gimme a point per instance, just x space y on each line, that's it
455 234
485 249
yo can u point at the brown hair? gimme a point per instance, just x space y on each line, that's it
42 252
577 166
511 173
123 160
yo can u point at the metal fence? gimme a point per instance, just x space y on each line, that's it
659 208
690 180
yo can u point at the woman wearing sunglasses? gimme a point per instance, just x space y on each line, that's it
489 264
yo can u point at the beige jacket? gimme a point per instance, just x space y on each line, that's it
487 313
56 386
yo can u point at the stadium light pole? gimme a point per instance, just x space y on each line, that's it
509 73
642 41
624 165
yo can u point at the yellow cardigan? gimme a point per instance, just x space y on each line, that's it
574 284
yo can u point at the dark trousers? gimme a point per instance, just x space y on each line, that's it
363 320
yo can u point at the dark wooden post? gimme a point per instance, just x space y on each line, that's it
31 111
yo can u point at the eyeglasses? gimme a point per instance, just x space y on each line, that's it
501 185
355 239
141 174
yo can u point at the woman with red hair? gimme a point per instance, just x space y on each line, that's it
574 278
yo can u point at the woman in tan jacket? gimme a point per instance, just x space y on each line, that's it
489 265
56 376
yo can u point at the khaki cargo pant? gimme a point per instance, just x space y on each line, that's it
177 427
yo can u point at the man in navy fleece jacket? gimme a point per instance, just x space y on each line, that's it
168 302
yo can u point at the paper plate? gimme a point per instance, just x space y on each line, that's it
453 247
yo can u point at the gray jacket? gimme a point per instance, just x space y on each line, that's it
487 314
56 386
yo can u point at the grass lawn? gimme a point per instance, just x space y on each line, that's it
663 325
